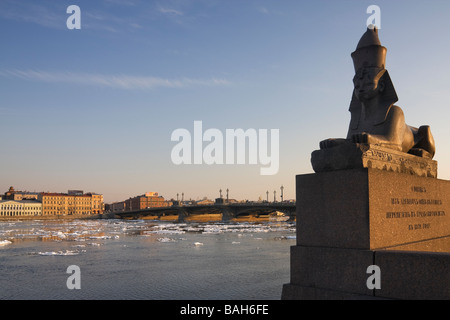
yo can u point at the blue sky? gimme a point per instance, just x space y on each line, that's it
94 109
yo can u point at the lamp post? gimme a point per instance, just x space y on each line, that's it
274 196
282 193
227 194
267 193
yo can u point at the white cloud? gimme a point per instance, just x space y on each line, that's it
127 82
170 11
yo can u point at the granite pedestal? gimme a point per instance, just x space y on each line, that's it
348 220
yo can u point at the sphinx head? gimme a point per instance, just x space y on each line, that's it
371 78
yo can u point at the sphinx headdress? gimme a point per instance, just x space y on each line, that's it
371 54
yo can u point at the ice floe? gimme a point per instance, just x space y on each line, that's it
93 233
165 239
59 253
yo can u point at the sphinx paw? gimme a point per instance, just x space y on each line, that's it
420 153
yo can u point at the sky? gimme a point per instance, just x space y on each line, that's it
94 108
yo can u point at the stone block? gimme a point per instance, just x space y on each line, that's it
342 270
371 209
335 274
413 275
332 209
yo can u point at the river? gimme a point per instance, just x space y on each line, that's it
144 259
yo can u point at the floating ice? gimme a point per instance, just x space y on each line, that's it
60 235
5 242
84 232
59 253
95 244
166 229
103 237
165 239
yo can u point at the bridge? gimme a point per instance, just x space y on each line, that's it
217 211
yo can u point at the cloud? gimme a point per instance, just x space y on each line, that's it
127 82
170 11
51 16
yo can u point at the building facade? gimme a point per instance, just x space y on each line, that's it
65 204
98 206
20 208
75 202
117 206
148 200
71 204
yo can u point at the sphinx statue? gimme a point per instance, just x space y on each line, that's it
375 119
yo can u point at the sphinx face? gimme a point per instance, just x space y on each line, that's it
367 83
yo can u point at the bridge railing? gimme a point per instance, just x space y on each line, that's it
288 204
240 204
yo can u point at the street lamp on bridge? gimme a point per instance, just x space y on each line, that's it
282 188
274 196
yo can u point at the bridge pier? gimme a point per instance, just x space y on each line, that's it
182 214
227 213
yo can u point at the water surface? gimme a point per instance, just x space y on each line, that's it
143 259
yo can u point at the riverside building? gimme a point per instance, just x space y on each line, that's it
12 194
75 202
65 204
20 208
98 206
147 200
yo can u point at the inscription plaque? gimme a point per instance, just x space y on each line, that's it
407 210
